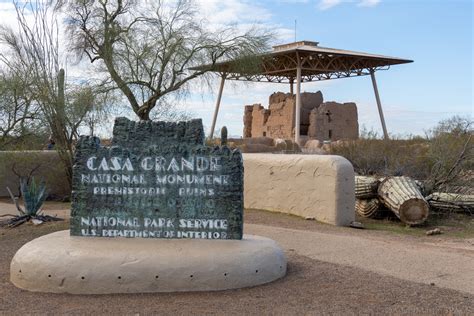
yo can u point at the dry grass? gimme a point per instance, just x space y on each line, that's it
444 159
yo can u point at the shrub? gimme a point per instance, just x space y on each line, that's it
444 159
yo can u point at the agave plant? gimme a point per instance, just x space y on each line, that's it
33 194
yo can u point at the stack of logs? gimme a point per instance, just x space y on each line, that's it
403 196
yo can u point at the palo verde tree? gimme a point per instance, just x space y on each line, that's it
148 48
33 52
20 117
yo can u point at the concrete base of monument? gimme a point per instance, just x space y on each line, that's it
60 263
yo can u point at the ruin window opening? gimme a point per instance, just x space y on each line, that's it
328 113
330 134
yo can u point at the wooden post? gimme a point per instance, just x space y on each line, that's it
379 104
218 103
298 102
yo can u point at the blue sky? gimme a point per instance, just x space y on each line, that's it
437 35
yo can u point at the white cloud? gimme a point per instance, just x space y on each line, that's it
328 4
293 1
368 3
232 11
7 6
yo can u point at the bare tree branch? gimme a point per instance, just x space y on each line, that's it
148 48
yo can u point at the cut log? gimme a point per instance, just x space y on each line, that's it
451 201
365 187
402 196
367 208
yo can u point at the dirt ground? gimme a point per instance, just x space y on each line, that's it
311 287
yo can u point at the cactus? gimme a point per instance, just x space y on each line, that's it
224 136
33 194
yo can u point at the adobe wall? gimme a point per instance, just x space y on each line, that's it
259 119
248 121
333 121
310 186
281 121
278 121
43 164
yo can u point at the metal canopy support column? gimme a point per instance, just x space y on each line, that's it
291 85
218 103
298 102
379 104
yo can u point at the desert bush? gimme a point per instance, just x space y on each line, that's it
443 159
451 156
392 157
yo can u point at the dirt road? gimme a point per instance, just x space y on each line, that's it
331 271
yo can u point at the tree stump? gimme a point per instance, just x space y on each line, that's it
367 208
402 196
365 187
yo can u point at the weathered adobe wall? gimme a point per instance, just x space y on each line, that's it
334 121
309 101
48 168
278 121
281 121
248 121
259 119
311 186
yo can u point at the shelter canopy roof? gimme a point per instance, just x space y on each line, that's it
317 63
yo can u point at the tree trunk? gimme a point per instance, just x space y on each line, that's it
143 114
402 196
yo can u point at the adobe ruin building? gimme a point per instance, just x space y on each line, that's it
319 120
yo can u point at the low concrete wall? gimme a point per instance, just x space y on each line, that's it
49 168
321 187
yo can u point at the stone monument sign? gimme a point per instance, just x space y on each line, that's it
157 180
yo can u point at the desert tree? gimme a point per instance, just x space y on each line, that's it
148 48
20 117
33 52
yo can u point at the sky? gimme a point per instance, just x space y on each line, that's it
437 35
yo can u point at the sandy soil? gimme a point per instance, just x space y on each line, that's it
311 287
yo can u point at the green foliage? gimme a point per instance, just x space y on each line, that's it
34 195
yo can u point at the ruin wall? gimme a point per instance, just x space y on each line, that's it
334 121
